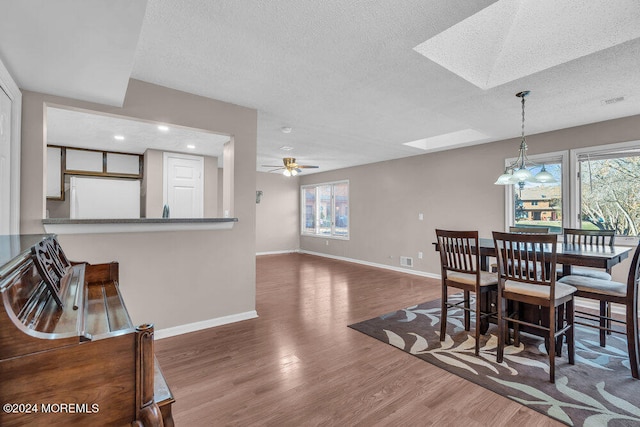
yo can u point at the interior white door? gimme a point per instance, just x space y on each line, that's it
184 185
5 163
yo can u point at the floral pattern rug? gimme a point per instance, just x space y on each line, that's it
597 391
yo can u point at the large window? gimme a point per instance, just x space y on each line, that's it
608 188
325 209
598 188
536 204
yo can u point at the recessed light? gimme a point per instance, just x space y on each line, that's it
118 137
163 128
286 148
286 129
191 146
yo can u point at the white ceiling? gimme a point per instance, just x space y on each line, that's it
354 80
81 129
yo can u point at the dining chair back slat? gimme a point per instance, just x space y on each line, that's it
576 236
458 253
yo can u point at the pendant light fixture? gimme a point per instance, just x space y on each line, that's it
518 172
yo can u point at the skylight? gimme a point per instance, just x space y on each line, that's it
447 140
512 39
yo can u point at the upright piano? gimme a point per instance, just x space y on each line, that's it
69 353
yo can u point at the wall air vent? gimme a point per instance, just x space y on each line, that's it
612 100
406 261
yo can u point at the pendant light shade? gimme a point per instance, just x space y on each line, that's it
518 172
522 174
544 176
504 179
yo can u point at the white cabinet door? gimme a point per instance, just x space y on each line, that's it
54 172
183 185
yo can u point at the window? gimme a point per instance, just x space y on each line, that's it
598 188
608 188
325 209
536 204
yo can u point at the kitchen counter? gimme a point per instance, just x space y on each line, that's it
134 225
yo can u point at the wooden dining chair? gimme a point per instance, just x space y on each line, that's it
597 238
534 253
460 268
608 292
529 230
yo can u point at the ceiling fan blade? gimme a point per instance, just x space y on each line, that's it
273 170
271 166
308 167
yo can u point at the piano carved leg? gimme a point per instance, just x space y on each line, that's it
149 416
147 411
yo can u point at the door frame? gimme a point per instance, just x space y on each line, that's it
9 86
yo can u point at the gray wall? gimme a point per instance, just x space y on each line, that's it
277 218
453 189
168 278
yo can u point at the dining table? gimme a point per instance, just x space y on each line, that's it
569 255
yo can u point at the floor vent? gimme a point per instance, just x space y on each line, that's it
406 261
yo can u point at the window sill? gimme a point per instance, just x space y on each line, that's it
322 236
136 225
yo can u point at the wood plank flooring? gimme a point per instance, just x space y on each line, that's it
299 364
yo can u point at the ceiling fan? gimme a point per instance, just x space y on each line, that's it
291 168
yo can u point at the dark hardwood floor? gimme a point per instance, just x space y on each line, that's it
299 364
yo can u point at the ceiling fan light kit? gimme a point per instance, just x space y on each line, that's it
291 168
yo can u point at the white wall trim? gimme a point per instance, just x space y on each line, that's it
11 89
287 251
204 324
373 264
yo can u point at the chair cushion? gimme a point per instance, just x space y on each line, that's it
486 278
538 291
587 272
599 286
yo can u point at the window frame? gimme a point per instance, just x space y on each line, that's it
333 234
556 156
575 183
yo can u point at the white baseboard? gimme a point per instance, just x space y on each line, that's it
204 324
373 264
289 251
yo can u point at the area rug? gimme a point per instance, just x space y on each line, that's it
597 391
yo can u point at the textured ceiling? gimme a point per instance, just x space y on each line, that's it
349 79
81 129
78 49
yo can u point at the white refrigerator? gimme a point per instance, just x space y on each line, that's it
104 198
